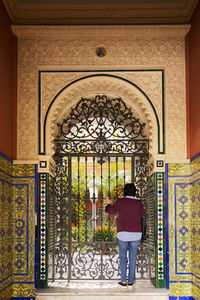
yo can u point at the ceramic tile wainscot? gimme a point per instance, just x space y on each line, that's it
18 188
183 190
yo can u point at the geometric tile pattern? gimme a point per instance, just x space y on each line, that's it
183 234
182 298
23 197
43 230
20 266
17 229
160 225
195 247
183 191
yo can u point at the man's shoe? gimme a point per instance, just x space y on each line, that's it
124 284
130 283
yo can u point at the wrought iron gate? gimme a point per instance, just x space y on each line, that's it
99 148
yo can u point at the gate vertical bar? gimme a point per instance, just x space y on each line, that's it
109 196
62 202
78 159
86 200
101 211
109 177
132 169
124 164
54 231
94 198
69 217
117 175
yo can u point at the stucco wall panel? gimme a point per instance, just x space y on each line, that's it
126 48
89 87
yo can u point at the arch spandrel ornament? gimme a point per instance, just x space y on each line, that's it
101 125
88 88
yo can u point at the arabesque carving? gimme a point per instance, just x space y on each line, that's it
105 85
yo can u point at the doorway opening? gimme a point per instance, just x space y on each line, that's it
100 146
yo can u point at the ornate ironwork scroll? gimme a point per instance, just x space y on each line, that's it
101 117
101 125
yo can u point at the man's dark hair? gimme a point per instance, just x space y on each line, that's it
129 189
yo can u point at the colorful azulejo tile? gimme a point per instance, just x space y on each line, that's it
43 195
160 212
184 229
18 192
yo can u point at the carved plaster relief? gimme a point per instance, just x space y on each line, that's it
90 87
149 82
151 47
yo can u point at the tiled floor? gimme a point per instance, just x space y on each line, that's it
101 290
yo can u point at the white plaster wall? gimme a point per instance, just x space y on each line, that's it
127 47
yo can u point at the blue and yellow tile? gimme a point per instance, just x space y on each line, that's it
183 201
17 229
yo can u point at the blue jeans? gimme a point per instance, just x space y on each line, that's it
123 248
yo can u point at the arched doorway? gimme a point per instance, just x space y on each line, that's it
100 146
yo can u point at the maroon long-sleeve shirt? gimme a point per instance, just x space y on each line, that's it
129 213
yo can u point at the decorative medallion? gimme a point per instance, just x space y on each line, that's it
100 51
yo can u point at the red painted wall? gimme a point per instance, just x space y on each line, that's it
193 84
8 78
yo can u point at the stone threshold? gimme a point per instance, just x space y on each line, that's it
140 288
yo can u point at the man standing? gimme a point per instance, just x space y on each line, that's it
129 230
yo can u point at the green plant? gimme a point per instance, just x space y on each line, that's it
105 234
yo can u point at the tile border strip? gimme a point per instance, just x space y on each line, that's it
22 298
36 225
181 298
42 239
160 238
